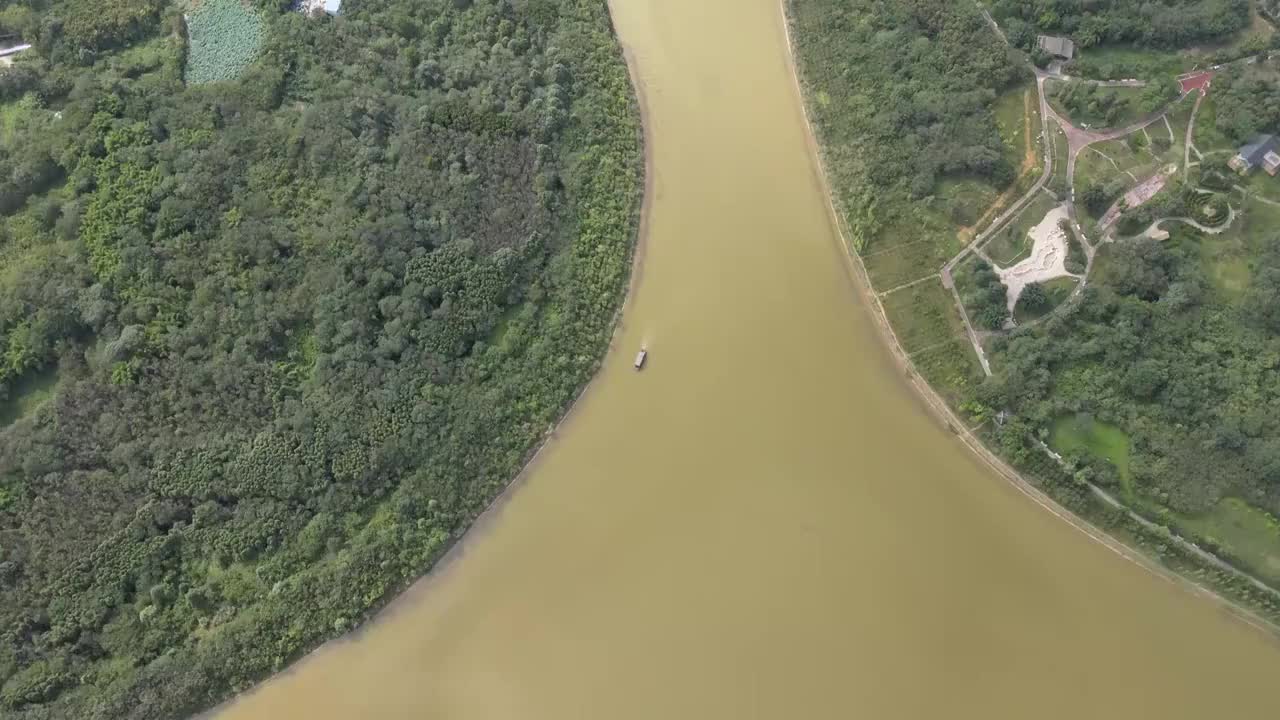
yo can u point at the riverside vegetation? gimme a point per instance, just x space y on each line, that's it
268 345
1178 367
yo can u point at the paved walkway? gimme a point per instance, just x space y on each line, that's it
1186 145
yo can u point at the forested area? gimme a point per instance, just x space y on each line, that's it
986 297
1162 23
1246 105
1151 349
302 326
908 101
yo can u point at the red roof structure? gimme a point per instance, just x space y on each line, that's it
1196 81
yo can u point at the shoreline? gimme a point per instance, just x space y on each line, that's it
931 401
938 408
457 549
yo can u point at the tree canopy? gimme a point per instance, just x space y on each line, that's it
910 85
303 326
1162 23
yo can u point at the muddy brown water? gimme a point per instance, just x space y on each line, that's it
765 523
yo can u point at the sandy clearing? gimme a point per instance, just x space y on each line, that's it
1048 256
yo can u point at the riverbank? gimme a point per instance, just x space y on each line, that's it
764 523
934 402
402 600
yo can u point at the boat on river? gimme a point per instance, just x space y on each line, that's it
640 358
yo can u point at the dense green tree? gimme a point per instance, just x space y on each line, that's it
1164 23
1246 105
986 297
912 83
1033 297
303 326
1095 198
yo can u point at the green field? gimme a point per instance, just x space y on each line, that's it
911 249
1226 263
1255 222
923 316
1228 256
1058 182
1117 62
1260 184
951 369
1141 160
28 393
1094 169
1206 136
1178 116
1058 289
1247 533
1081 433
1010 113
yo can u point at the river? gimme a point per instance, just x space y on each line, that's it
765 523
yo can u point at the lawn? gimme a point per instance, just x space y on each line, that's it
1255 222
1206 136
28 393
1092 168
1011 111
951 368
1225 259
911 248
1058 289
1119 62
1134 155
1011 243
1081 433
1260 184
1058 182
1228 256
1246 533
923 316
1178 117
